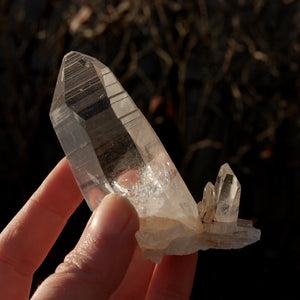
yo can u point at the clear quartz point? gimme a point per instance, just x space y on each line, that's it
111 148
207 207
110 145
228 193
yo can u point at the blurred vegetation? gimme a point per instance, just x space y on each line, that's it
219 81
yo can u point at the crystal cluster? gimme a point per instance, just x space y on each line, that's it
111 148
221 202
219 226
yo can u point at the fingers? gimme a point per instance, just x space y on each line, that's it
95 268
25 242
135 284
173 278
97 265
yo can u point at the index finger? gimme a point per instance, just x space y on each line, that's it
27 239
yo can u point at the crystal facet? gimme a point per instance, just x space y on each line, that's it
111 148
110 145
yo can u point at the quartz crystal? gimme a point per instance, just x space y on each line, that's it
111 148
207 207
228 193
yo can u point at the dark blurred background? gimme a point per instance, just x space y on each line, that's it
218 80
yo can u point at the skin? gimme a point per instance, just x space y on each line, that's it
106 263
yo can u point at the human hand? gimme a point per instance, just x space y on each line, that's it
105 264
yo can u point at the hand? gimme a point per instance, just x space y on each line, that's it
105 264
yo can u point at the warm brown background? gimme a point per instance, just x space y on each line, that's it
219 81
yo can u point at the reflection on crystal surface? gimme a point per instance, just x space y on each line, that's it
110 145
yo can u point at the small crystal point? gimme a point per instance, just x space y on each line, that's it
207 207
209 195
228 193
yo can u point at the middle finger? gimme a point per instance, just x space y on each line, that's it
136 281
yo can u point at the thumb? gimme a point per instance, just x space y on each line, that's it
96 266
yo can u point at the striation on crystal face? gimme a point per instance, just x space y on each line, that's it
111 148
110 145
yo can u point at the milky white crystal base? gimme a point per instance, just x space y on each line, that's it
160 236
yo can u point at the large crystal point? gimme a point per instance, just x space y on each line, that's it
111 148
110 145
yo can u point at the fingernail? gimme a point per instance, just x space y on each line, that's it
113 216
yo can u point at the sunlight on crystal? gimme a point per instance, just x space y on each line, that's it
111 147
